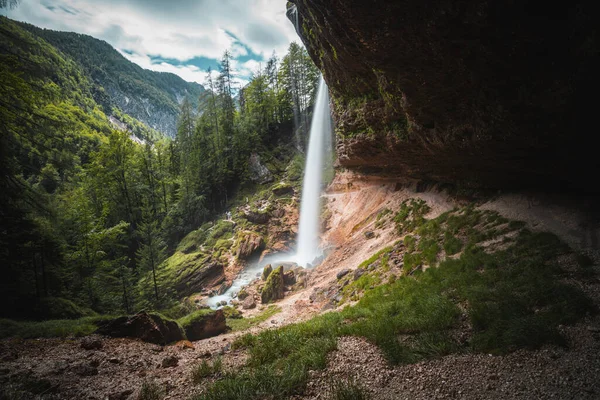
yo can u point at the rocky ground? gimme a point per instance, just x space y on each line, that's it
551 372
103 368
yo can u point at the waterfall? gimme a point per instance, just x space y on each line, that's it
310 210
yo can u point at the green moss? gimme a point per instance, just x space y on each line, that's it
231 312
273 289
59 308
266 272
196 316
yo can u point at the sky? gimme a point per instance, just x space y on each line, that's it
184 37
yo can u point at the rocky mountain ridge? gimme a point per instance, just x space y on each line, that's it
149 96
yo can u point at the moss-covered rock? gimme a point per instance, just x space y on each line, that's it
242 294
153 328
282 189
266 272
203 324
273 289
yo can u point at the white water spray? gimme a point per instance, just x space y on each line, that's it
320 135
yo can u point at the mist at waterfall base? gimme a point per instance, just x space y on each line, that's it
308 251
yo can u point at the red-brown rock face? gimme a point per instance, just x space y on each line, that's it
496 94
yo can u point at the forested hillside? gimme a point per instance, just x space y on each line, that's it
86 212
151 97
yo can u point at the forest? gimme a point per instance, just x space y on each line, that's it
87 213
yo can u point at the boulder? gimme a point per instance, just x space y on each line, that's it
249 303
358 273
203 324
170 362
257 217
273 289
91 343
150 328
278 213
266 272
242 294
223 287
259 173
369 234
342 273
289 278
248 244
283 189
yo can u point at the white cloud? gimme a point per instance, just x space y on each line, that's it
176 29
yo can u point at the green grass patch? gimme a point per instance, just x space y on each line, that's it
346 389
411 215
452 244
380 254
151 390
430 249
241 324
52 328
206 369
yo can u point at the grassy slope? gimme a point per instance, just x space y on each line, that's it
503 300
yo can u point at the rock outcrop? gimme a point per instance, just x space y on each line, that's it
206 273
248 244
204 324
147 327
273 289
475 92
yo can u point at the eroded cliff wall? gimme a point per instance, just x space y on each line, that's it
483 93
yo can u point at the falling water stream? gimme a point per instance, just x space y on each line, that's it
310 208
308 252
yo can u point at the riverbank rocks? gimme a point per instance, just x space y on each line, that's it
248 244
203 324
289 278
273 289
150 328
249 303
242 294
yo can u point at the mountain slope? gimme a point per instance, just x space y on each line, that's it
149 96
